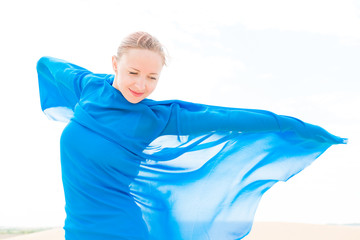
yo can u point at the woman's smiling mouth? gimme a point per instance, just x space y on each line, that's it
136 94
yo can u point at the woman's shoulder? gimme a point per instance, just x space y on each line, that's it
97 81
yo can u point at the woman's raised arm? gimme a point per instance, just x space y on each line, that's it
60 87
192 118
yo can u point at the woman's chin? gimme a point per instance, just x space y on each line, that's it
134 100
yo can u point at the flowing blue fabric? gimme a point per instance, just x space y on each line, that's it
166 169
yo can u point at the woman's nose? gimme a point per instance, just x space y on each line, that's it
140 83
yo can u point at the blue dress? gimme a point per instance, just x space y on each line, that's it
166 169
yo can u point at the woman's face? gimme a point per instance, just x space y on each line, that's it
137 73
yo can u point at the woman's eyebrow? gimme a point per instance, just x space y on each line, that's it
135 69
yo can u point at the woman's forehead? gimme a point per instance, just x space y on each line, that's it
142 59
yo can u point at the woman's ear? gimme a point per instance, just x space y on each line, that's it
114 63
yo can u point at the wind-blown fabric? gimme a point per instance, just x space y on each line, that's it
166 169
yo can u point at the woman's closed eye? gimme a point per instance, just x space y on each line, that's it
133 73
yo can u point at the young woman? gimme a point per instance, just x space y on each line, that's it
134 168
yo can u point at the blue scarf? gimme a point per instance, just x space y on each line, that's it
166 169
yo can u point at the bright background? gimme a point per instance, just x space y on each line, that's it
298 58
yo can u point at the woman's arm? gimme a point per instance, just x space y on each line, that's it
60 86
189 118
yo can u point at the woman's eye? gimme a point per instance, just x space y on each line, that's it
153 78
133 73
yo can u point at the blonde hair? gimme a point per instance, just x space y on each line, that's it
141 40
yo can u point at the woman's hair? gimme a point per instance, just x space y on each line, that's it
141 40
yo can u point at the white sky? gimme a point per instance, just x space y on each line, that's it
298 58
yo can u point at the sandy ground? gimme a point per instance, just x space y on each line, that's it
260 231
300 231
52 234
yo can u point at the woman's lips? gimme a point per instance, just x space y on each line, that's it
136 94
